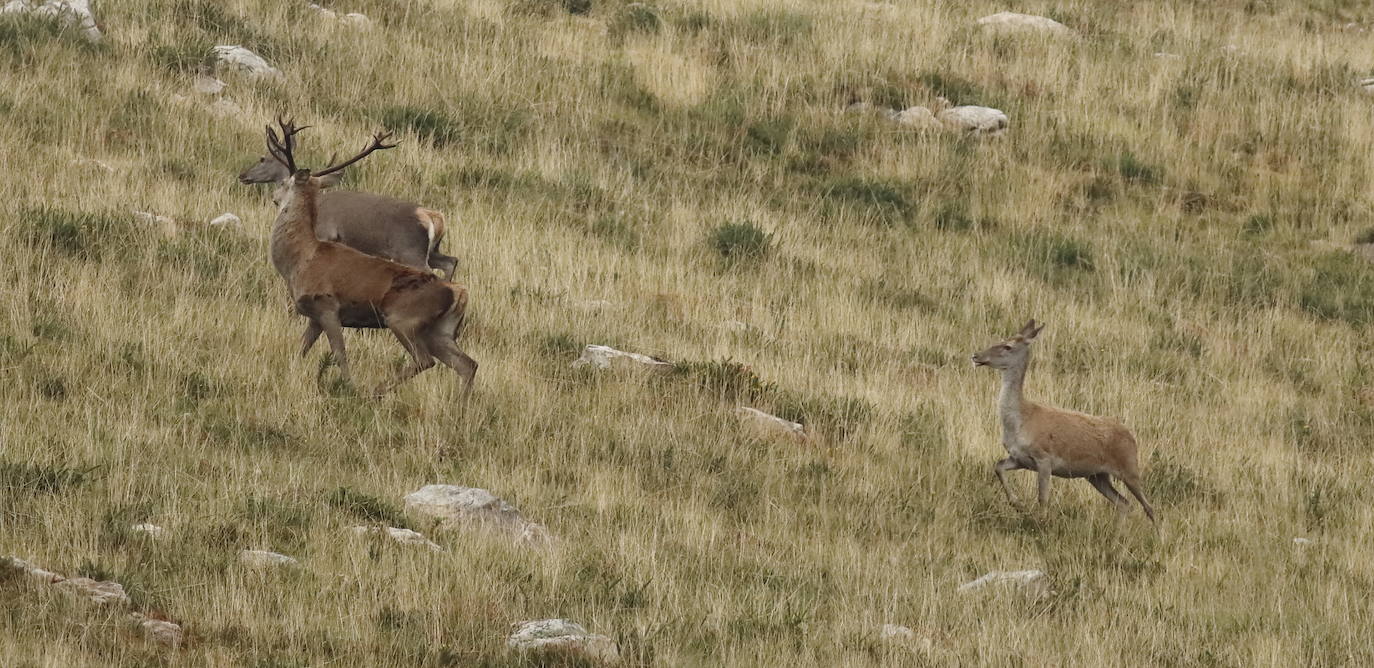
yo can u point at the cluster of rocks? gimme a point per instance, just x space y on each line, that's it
104 593
351 19
73 13
170 228
968 119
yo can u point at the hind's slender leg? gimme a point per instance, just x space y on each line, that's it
312 332
420 357
1102 483
1001 468
1133 484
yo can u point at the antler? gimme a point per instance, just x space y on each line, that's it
376 145
283 147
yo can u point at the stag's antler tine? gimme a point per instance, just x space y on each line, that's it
376 145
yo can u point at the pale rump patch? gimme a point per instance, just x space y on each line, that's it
434 225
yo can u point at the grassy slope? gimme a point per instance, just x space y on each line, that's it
1158 213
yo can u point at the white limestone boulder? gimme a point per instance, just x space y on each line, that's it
75 13
460 507
1033 582
244 60
265 559
561 637
397 535
604 357
1011 23
975 120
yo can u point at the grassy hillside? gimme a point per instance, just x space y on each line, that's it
1176 221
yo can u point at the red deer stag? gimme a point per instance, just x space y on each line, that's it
336 286
374 224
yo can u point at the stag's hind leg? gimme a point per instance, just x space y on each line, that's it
312 332
1102 483
448 352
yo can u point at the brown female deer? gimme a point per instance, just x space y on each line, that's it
1056 442
336 286
374 224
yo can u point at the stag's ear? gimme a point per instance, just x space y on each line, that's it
1030 330
331 180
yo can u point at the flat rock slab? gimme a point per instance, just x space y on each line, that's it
467 506
767 423
240 58
1011 23
265 559
603 357
404 536
563 638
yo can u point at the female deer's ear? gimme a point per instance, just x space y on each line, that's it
1030 330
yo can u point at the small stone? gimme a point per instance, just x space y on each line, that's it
89 162
356 20
227 221
1032 581
1166 55
247 61
563 638
152 531
896 632
460 506
1303 542
159 631
1011 22
398 535
601 357
165 224
1367 85
265 559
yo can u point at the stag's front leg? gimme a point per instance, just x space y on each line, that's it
1043 470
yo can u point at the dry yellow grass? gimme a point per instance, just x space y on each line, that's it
1157 213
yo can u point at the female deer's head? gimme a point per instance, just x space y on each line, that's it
1010 352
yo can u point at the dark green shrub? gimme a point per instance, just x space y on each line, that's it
740 241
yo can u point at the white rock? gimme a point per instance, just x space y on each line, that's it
72 12
1167 55
265 559
602 357
225 108
247 61
1011 22
227 221
772 423
560 636
101 592
150 530
356 20
207 85
460 506
398 535
158 630
1302 541
920 118
1367 85
896 632
1033 581
972 119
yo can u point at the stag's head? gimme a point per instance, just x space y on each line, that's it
281 154
1009 352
